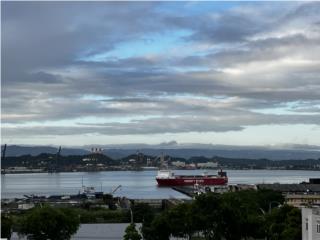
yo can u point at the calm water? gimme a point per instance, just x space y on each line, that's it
140 184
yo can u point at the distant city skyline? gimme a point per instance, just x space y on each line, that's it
230 73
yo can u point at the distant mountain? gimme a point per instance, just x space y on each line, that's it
232 153
15 150
209 151
74 151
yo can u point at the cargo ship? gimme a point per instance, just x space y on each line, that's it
168 178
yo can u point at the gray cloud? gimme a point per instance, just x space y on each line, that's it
166 125
254 57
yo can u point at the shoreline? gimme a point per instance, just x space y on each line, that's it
150 170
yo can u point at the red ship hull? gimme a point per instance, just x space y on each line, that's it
191 180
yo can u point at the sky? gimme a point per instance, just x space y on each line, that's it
232 73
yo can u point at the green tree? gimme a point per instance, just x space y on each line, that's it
247 218
160 228
142 212
284 223
181 220
266 196
230 216
207 215
6 227
131 233
49 223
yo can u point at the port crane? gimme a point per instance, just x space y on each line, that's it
53 167
3 157
57 158
162 161
115 189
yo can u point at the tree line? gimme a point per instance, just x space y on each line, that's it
47 160
240 215
230 216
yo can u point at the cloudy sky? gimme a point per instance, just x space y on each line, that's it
240 73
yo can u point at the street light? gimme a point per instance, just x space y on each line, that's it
131 213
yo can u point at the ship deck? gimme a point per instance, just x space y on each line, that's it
197 176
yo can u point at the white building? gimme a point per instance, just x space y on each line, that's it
25 206
310 223
178 164
208 165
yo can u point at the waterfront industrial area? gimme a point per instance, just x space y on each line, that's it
98 160
296 194
97 208
193 178
100 209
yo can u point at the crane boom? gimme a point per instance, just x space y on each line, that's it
114 190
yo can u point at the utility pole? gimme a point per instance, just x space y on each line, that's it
131 213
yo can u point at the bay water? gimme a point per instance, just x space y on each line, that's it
134 184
